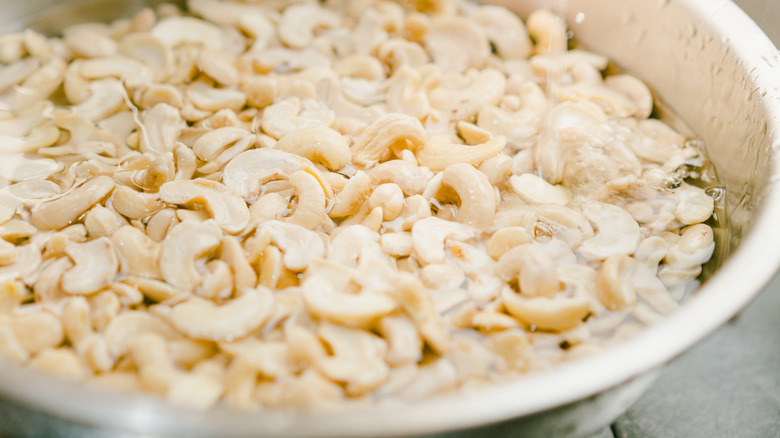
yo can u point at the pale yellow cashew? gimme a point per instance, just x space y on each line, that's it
318 144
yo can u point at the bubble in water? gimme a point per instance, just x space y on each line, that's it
716 193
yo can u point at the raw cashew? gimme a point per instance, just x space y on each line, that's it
186 243
379 139
319 144
202 319
227 208
554 314
534 270
474 193
61 211
310 211
439 153
96 265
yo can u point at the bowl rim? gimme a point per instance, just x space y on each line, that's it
741 278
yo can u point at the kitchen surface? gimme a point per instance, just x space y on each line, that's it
728 385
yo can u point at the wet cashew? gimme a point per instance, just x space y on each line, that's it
62 211
380 137
534 270
227 208
186 243
616 288
96 265
319 144
202 319
474 193
556 314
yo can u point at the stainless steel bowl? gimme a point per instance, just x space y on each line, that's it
706 59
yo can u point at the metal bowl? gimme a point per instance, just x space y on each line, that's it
706 59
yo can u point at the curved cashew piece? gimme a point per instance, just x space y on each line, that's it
554 314
376 141
326 301
119 67
474 194
288 115
177 30
133 204
352 196
520 127
107 96
208 98
438 153
101 221
636 91
186 243
227 208
410 178
162 126
403 340
548 30
429 237
457 44
60 212
310 211
298 23
138 254
486 87
390 198
358 358
300 246
95 267
694 247
249 171
534 270
318 144
617 231
616 282
149 50
505 31
211 144
695 206
505 239
202 319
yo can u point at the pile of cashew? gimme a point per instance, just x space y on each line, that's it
293 204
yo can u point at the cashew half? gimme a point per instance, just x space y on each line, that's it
96 265
227 208
475 195
438 152
60 212
554 314
202 319
429 237
617 231
378 139
534 270
186 243
486 87
319 144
